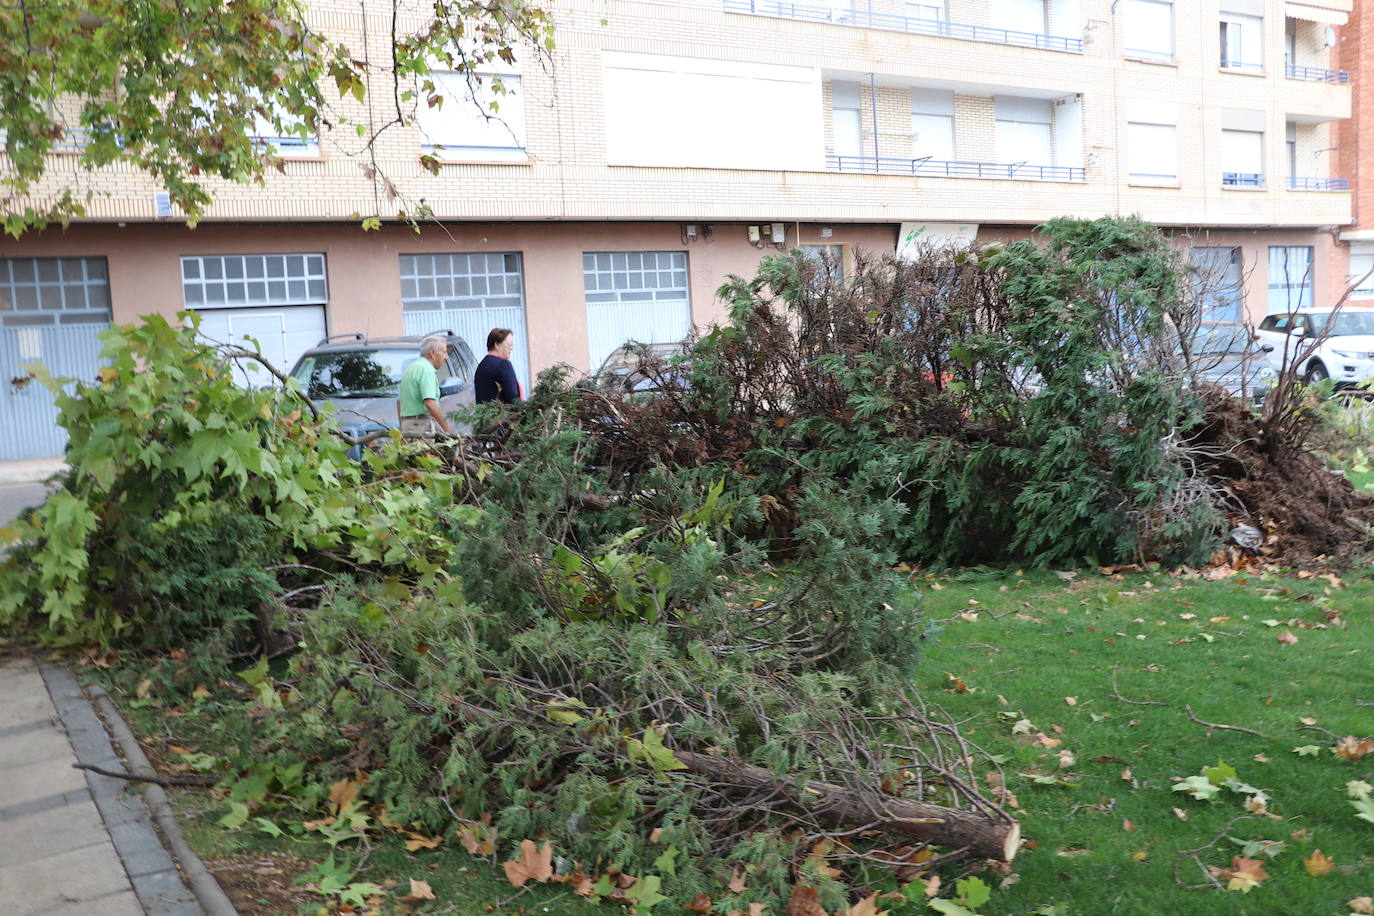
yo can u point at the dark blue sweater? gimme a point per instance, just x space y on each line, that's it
495 380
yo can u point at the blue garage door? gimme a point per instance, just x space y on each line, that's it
51 310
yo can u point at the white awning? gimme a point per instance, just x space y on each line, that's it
1315 14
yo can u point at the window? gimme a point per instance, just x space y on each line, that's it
1290 146
1216 282
484 121
925 17
1290 44
846 125
232 281
460 281
51 291
1147 29
1290 277
932 125
1019 15
1361 271
1242 158
1242 42
635 276
1152 153
828 257
288 140
1024 132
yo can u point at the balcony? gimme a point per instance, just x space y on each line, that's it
1299 183
938 27
1315 74
940 168
1242 180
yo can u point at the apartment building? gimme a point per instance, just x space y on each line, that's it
665 145
1355 157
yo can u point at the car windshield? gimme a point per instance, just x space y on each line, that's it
1218 340
353 373
1348 324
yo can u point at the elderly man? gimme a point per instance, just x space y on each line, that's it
418 406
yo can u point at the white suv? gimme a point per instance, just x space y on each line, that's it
1322 343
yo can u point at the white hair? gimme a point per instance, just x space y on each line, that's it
432 343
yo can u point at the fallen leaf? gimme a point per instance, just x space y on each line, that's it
1126 775
1072 701
1352 748
701 903
737 884
865 907
1243 875
1066 759
1361 905
1126 824
1071 853
1307 720
805 901
582 885
1180 814
420 841
1260 758
343 794
1067 576
655 835
201 692
932 885
1287 638
533 864
1318 863
479 839
419 890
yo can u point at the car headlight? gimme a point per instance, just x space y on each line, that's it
1266 372
1353 354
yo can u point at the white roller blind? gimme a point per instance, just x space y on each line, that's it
1147 29
466 126
932 136
1019 15
1152 153
686 112
1242 151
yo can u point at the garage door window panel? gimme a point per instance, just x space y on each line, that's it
235 281
49 291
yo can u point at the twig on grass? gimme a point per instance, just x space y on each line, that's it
1216 726
1317 728
164 781
1117 693
1193 854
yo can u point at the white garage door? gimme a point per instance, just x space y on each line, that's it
634 295
51 310
274 303
468 294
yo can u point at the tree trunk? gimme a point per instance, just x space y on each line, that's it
988 837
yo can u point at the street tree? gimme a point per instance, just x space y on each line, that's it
176 88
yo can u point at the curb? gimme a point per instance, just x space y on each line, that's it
129 817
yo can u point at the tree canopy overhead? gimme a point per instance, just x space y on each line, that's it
174 88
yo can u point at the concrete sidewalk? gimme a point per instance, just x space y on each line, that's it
31 471
75 843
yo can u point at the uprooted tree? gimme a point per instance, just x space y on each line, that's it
661 632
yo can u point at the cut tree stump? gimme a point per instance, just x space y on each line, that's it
985 836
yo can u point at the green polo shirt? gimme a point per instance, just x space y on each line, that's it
419 384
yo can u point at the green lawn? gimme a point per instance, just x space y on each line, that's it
1363 480
1041 651
1048 649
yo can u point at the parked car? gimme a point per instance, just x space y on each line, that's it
621 370
1226 353
1341 344
361 378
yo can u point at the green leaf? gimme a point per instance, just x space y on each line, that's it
645 893
1364 808
950 908
973 893
237 816
1199 787
1307 750
1219 774
667 862
254 676
650 750
268 827
356 894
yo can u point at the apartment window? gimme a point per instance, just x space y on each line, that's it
484 120
845 122
290 139
1290 277
1216 282
828 257
1290 43
49 291
925 17
932 125
1019 15
1024 130
1152 153
1242 159
1290 148
1361 271
1147 29
228 281
1242 42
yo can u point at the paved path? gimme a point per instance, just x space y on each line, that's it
16 497
74 843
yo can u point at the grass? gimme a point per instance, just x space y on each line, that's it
1022 646
1078 658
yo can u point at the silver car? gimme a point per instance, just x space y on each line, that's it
1226 353
361 378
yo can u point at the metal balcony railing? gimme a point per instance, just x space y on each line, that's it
1299 183
1242 180
942 168
1317 74
864 19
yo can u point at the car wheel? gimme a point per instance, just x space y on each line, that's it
1316 372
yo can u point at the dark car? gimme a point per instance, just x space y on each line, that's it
361 377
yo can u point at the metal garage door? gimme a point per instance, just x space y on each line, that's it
634 295
277 300
51 310
468 294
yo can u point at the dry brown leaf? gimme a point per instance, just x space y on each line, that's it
1126 824
701 903
581 884
805 901
1287 638
1318 863
1180 814
1361 905
419 890
1352 748
420 841
479 839
1126 775
1072 701
343 794
534 864
1066 759
201 692
655 835
1243 874
737 883
865 907
932 885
